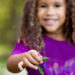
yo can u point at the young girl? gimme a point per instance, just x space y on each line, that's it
47 30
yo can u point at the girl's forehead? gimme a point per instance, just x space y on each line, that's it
52 1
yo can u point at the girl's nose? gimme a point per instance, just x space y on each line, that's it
50 11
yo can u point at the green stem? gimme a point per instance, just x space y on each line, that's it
40 69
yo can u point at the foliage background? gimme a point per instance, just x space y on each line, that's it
10 17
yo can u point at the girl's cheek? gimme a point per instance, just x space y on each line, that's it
41 11
62 14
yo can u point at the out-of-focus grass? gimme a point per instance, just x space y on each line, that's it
5 50
3 61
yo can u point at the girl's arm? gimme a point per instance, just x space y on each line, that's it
15 57
12 63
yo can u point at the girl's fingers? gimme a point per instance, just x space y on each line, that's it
32 60
28 64
36 56
40 56
20 65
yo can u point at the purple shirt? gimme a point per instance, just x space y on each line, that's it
61 54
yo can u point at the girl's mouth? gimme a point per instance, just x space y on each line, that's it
50 21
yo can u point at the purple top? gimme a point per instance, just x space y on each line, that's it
61 54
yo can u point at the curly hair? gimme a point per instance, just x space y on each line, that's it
31 33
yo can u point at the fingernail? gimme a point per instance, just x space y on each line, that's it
41 56
41 62
21 69
36 68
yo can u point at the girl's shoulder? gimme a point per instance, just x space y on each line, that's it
20 45
19 48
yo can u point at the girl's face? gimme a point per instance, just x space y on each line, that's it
51 14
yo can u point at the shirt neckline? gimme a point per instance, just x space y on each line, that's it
54 40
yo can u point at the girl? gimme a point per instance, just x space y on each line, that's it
47 30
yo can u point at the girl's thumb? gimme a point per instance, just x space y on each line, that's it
20 65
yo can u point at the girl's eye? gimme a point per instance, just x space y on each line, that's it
57 6
43 6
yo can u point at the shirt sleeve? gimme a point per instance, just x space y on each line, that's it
19 48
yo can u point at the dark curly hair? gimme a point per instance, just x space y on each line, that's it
31 33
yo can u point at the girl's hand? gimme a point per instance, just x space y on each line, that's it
29 59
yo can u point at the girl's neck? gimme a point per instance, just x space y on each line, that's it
59 37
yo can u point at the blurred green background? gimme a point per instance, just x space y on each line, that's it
11 12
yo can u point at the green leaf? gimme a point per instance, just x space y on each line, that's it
45 59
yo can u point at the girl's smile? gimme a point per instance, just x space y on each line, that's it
50 21
51 14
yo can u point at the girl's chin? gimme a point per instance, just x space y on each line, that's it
52 30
